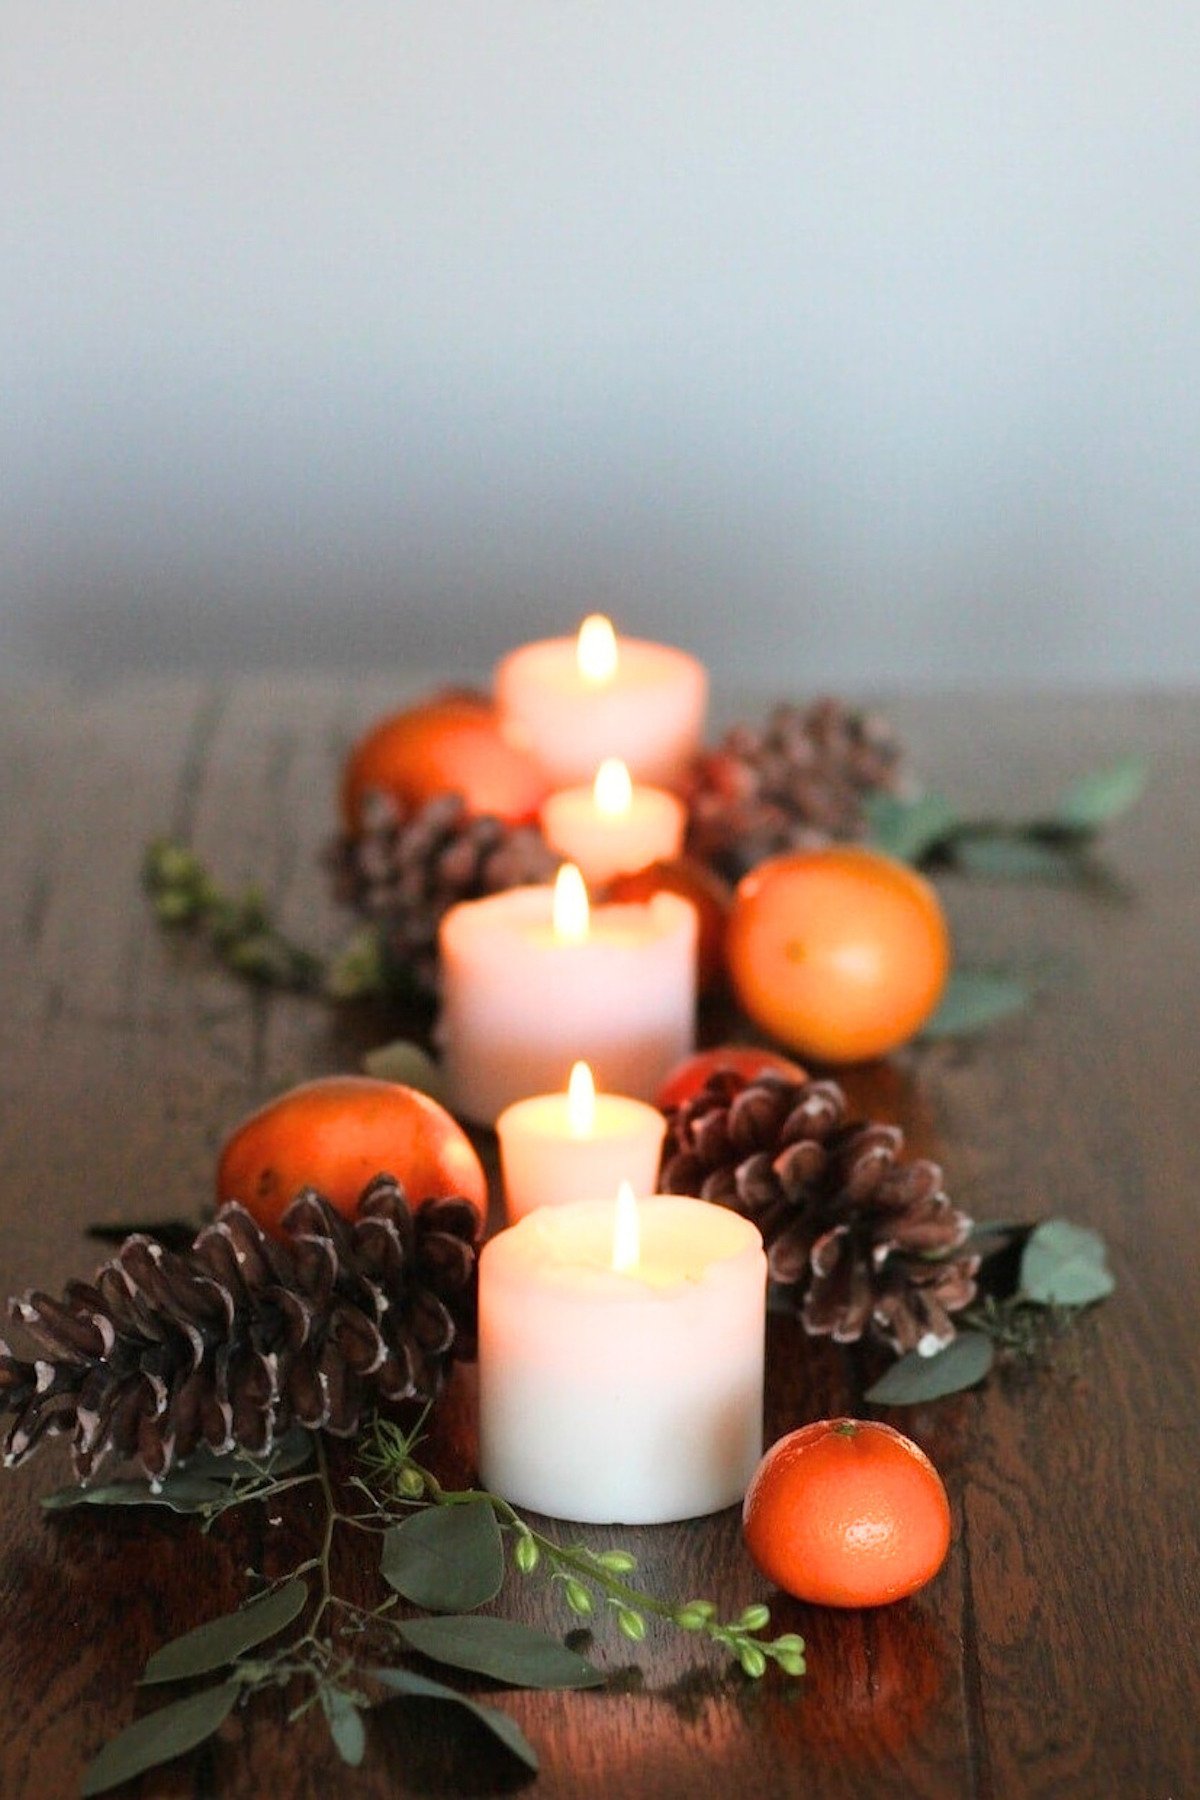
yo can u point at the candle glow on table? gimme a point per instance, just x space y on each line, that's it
612 827
621 1364
575 701
555 1148
534 978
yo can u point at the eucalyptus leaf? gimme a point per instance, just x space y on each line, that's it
502 1649
509 1733
915 1378
160 1736
408 1063
218 1642
448 1558
1015 856
909 829
182 1493
974 999
1097 799
293 1452
1065 1265
346 1726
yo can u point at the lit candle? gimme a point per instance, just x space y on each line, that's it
621 1360
533 978
560 1147
613 827
575 701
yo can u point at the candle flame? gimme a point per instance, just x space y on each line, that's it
612 789
627 1244
596 650
571 914
581 1101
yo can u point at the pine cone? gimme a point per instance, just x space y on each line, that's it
244 1335
797 781
865 1240
407 870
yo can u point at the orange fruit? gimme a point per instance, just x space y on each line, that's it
452 743
746 1060
841 954
847 1512
335 1134
711 897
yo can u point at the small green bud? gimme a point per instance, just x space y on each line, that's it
791 1661
755 1618
174 908
631 1624
411 1484
578 1598
752 1660
619 1562
526 1555
695 1615
789 1642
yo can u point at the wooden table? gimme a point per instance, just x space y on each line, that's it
1054 1655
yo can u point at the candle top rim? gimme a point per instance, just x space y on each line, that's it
621 924
642 661
643 796
567 1249
547 1114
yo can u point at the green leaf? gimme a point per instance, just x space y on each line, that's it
915 1378
974 999
908 829
1097 799
448 1558
502 1649
160 1736
1006 856
408 1063
404 1681
182 1493
346 1726
220 1641
1065 1265
356 970
293 1452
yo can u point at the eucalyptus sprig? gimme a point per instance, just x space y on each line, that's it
441 1551
586 1578
238 927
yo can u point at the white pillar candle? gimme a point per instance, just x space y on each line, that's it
574 701
555 1148
525 993
612 827
627 1394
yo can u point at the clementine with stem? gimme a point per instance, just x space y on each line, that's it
841 954
847 1512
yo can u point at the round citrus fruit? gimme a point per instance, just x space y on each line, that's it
335 1134
847 1512
711 897
747 1060
841 954
450 744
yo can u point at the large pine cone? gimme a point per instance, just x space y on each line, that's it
796 782
406 870
244 1335
864 1240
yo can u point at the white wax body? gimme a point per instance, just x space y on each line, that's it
650 713
520 1006
602 844
622 1398
545 1163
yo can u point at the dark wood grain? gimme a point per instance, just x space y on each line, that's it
1054 1654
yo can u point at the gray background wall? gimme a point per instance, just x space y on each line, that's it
848 343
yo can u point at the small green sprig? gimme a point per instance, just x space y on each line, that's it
237 926
586 1578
